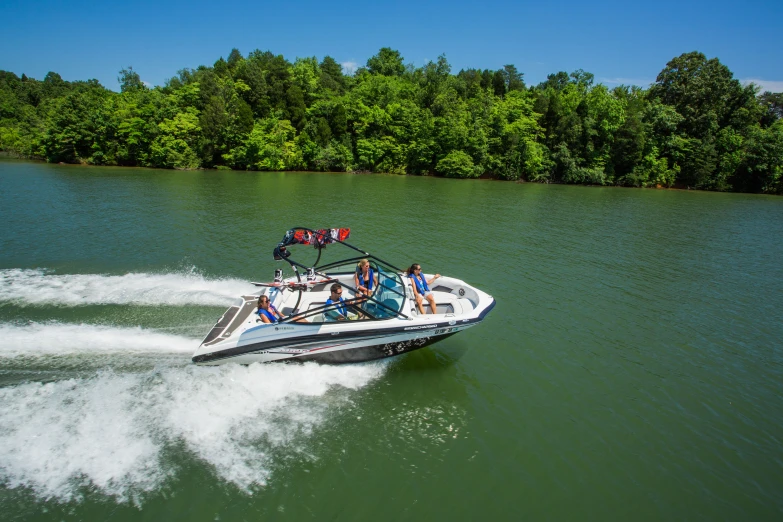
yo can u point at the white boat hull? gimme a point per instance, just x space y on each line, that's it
337 342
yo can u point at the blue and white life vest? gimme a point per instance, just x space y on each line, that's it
421 285
360 277
269 315
340 308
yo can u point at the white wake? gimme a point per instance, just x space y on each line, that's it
25 287
47 339
111 431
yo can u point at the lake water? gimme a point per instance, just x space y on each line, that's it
631 370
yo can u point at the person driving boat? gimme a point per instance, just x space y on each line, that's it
340 312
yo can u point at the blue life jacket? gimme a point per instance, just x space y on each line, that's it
340 308
421 285
269 315
360 277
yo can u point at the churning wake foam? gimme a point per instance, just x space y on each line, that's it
46 339
112 431
37 287
115 431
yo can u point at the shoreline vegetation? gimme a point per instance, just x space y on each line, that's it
695 127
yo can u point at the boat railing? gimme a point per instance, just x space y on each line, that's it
359 309
386 299
371 312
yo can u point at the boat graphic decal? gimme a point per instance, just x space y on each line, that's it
422 327
403 346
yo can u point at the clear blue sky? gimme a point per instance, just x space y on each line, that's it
627 41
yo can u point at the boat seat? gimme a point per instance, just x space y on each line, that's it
447 304
450 304
383 313
317 318
445 297
443 308
466 304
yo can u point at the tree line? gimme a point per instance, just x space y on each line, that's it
696 126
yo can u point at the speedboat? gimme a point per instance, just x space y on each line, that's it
383 324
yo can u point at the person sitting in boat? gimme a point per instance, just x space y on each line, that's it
266 312
421 288
365 279
340 312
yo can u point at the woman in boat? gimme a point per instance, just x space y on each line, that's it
421 288
266 312
365 279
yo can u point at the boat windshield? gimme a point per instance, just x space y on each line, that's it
390 293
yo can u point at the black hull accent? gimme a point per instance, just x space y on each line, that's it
369 353
320 338
296 342
485 311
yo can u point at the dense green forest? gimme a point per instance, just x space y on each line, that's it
696 126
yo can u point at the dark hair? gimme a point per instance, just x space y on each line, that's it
414 266
262 298
335 287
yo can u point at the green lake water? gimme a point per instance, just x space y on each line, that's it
631 370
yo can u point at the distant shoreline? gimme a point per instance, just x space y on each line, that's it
8 155
695 126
